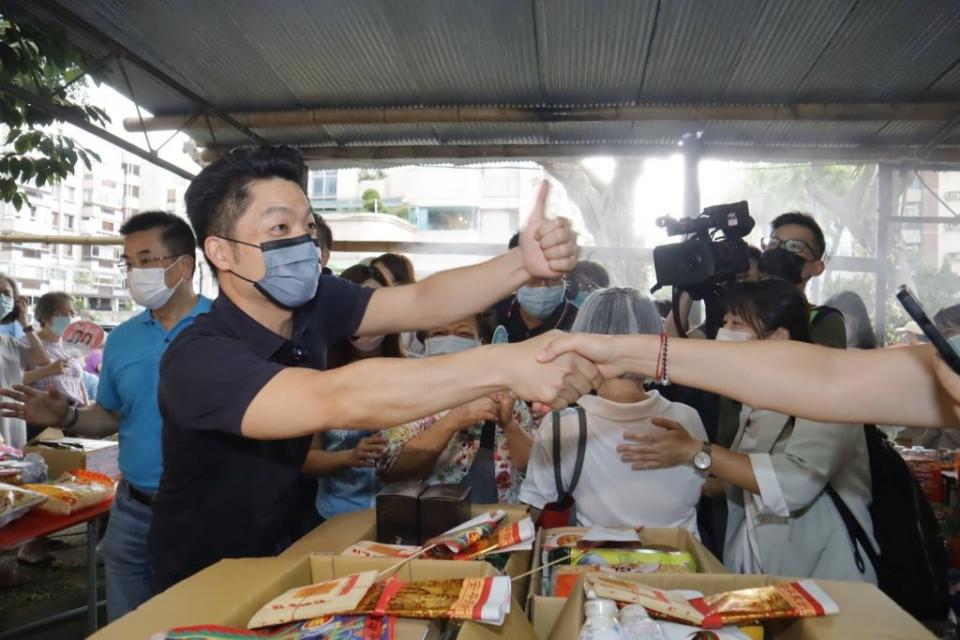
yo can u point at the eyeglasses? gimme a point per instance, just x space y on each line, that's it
126 265
793 245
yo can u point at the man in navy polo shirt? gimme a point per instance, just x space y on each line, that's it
243 389
159 259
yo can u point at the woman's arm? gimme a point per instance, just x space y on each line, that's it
419 455
674 446
880 386
519 438
42 372
326 463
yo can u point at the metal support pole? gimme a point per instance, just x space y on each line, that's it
690 145
92 576
885 207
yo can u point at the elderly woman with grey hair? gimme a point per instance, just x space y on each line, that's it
609 492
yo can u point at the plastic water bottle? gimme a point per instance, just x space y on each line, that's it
601 628
638 625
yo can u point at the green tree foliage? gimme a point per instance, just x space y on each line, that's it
41 62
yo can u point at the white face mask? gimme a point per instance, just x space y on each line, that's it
148 287
727 335
366 344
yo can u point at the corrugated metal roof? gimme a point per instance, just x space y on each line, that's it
249 55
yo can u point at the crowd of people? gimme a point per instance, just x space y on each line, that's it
297 394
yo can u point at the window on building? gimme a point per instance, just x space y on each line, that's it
109 184
133 191
69 221
99 304
32 253
951 195
107 226
56 218
324 184
88 195
446 218
70 193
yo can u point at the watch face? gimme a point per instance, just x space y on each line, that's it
702 460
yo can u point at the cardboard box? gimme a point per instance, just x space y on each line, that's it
544 610
231 591
866 613
66 454
340 532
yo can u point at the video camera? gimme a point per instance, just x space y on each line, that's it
702 262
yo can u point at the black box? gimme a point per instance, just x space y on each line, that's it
443 507
398 519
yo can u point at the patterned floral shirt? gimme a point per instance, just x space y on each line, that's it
455 461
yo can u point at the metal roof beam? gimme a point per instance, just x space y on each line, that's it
800 112
67 115
942 158
72 19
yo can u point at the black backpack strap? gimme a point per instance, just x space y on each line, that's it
557 458
581 449
855 531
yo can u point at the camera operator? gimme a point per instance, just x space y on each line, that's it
795 251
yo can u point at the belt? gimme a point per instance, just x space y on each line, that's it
140 496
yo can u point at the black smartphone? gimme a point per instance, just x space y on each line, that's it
947 352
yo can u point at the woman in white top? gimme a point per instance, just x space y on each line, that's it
54 312
608 492
15 355
781 521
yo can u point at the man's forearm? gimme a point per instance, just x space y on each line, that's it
445 297
373 393
93 421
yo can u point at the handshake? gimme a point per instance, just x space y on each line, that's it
555 369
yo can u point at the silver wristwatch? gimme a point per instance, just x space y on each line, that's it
703 459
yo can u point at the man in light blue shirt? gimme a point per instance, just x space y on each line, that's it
159 259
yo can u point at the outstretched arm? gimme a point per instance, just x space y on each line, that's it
881 386
548 248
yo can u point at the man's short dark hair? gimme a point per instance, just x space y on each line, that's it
218 195
176 234
514 241
948 318
803 220
324 233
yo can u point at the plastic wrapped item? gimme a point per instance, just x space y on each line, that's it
16 501
33 468
74 491
637 624
601 628
340 595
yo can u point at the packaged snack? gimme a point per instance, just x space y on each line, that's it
369 549
510 537
16 501
636 560
480 599
803 599
340 595
656 601
339 627
74 491
470 532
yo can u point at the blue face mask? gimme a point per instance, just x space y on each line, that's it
6 305
439 345
581 298
59 324
292 270
955 343
540 302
